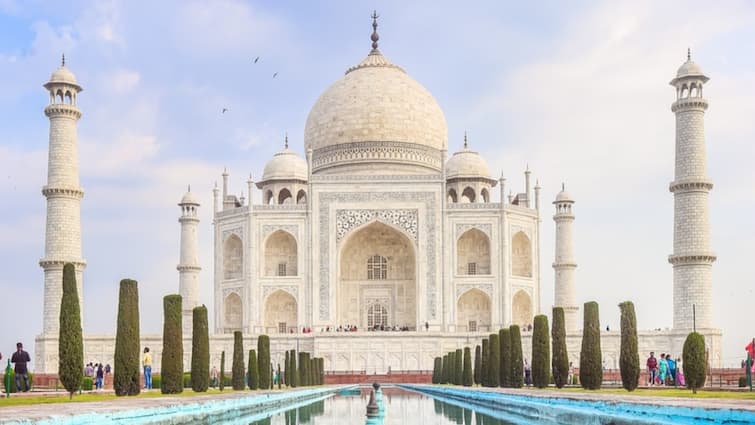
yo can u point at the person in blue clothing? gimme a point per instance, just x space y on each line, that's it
671 367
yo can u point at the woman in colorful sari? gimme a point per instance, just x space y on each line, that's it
663 369
679 374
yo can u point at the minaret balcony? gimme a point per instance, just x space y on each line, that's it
690 104
62 192
62 109
691 259
690 185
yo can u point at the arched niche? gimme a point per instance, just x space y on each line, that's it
473 253
280 312
233 312
521 309
281 258
473 311
521 255
233 258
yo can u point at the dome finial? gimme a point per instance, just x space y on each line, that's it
63 60
375 37
285 142
189 189
689 54
563 186
465 139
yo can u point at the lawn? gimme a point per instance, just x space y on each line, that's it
62 397
667 392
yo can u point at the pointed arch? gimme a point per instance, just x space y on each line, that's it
268 197
301 197
521 255
280 312
281 254
467 196
473 311
232 313
473 253
59 96
485 195
233 257
452 197
285 197
521 308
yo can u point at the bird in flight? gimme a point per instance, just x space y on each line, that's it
275 75
224 110
256 59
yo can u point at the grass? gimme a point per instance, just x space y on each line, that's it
667 392
62 397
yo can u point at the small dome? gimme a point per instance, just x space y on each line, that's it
285 165
467 164
564 196
189 198
689 69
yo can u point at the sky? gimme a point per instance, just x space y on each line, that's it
578 92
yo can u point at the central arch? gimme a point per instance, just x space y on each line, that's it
377 266
280 312
521 309
233 312
473 311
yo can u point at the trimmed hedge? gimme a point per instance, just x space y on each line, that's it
171 373
467 379
200 351
629 357
590 362
253 373
693 356
560 361
504 340
437 364
458 366
516 379
126 370
293 376
443 369
263 362
221 378
71 344
494 365
237 367
541 360
484 362
477 364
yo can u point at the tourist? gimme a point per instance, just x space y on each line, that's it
570 377
147 363
20 358
100 377
427 326
107 369
663 369
214 377
671 368
679 374
527 373
652 365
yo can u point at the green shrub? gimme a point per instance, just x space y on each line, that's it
467 378
477 364
504 340
443 367
303 366
186 378
742 381
87 383
13 388
71 344
452 367
157 381
437 364
458 367
590 362
237 367
693 357
484 361
629 357
541 361
126 370
494 374
173 348
200 351
221 378
263 361
294 374
253 372
516 379
560 361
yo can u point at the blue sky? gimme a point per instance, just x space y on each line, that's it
580 92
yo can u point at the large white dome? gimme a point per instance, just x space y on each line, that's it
376 113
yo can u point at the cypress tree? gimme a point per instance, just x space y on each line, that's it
467 378
541 359
437 364
302 380
172 370
70 342
459 367
484 360
221 384
287 370
294 374
444 369
477 363
494 374
200 350
126 379
253 372
590 364
629 358
280 376
560 355
450 367
237 367
263 361
502 356
693 357
516 378
504 339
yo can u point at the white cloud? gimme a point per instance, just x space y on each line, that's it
122 81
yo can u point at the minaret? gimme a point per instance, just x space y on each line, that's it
564 266
63 193
527 194
188 267
692 258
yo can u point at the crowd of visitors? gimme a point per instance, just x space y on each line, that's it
664 371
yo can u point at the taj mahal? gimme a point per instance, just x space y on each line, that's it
373 245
